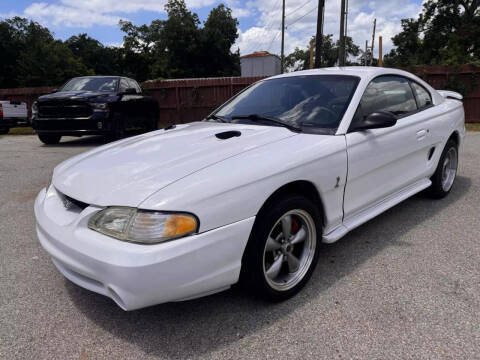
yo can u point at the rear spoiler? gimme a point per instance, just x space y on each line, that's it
447 94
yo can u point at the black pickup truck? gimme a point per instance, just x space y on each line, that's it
92 105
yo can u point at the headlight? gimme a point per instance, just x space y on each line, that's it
34 109
99 106
142 226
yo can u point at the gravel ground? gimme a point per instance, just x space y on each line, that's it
405 285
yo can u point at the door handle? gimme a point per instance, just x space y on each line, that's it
421 134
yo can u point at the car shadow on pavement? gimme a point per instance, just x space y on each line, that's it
201 326
91 140
70 141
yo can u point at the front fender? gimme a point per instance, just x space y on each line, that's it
236 188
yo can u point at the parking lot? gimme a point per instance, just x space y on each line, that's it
405 285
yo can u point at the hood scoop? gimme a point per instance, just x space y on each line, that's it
228 134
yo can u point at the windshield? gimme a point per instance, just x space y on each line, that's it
308 102
106 84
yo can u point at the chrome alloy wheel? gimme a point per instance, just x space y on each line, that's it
449 168
289 250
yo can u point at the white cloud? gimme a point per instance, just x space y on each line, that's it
87 13
68 16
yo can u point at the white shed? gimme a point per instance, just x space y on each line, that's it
260 63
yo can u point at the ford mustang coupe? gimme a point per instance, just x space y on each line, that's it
249 193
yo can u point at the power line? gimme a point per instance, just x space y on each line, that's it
298 8
273 39
301 17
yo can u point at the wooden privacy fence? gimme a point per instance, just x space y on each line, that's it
183 101
464 79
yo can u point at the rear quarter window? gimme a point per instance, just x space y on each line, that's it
424 99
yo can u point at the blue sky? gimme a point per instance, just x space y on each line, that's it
259 19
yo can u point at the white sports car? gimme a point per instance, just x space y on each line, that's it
250 192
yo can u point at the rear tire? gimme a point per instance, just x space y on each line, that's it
283 248
4 131
445 174
49 139
154 124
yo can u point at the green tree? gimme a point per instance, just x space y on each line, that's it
446 32
95 56
179 48
181 39
40 60
218 36
300 59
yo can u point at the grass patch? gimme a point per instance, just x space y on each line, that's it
21 131
473 126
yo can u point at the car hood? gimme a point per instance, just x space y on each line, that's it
74 95
127 172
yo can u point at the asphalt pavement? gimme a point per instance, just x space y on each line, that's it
406 285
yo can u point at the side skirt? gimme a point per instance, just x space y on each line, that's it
364 215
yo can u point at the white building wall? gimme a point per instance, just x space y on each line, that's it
260 66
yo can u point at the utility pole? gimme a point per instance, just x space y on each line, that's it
282 56
319 35
341 51
365 55
310 63
380 51
373 38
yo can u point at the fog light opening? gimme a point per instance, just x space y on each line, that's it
115 297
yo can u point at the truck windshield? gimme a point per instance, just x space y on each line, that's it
310 102
102 84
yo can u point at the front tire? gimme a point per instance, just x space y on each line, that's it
445 174
4 131
49 139
283 248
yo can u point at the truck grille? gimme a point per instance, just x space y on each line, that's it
64 109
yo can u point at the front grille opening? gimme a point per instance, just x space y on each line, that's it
64 109
69 202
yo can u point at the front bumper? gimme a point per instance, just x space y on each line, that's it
98 123
136 275
13 122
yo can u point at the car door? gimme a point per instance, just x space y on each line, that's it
382 162
138 104
127 104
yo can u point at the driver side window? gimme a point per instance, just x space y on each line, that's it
123 85
388 93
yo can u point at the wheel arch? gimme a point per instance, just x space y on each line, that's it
300 187
455 136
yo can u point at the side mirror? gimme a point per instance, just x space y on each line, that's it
129 91
53 91
376 120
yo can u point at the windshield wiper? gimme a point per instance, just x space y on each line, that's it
216 118
258 117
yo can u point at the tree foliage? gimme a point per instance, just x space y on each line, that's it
177 47
34 58
446 32
299 59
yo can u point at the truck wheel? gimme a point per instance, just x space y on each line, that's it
118 128
444 176
4 131
49 139
283 248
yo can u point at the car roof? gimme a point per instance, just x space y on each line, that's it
360 71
